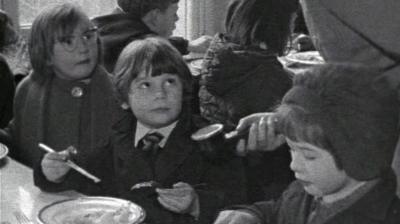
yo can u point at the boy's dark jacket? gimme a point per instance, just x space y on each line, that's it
378 206
119 29
120 166
179 161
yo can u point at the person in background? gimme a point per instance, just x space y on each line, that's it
65 102
7 85
136 19
342 128
342 31
241 75
13 48
7 90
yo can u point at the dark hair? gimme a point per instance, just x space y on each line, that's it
7 32
297 124
142 7
50 25
249 22
155 55
345 109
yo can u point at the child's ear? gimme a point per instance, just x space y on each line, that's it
125 106
151 19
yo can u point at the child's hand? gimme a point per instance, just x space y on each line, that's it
200 45
54 165
262 135
236 217
182 198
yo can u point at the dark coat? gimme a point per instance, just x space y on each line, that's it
238 81
380 205
119 29
28 126
180 160
7 89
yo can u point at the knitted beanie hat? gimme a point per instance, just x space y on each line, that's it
357 115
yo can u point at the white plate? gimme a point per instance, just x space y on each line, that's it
89 210
3 151
307 57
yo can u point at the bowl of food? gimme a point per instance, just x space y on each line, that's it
92 210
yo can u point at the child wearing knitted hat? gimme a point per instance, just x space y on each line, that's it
342 129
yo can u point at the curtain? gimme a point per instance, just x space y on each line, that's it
201 17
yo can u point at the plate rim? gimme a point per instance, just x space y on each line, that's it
5 152
39 215
290 58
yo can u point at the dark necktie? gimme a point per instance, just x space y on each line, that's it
150 142
149 145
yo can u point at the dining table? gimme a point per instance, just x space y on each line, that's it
19 195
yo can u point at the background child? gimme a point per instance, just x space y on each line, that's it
241 66
13 48
65 101
151 142
7 89
135 19
342 129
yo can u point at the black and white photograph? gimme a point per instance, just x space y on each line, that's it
199 112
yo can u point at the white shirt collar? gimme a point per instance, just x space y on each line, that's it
142 130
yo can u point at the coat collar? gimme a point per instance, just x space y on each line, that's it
376 203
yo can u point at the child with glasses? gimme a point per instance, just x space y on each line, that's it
341 124
154 161
66 100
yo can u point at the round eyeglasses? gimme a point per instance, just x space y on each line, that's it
70 42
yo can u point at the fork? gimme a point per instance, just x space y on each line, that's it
22 218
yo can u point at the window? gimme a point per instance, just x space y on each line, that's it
28 9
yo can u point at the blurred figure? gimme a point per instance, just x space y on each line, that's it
7 89
14 48
7 85
241 75
136 19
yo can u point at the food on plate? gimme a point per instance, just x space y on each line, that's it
120 216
